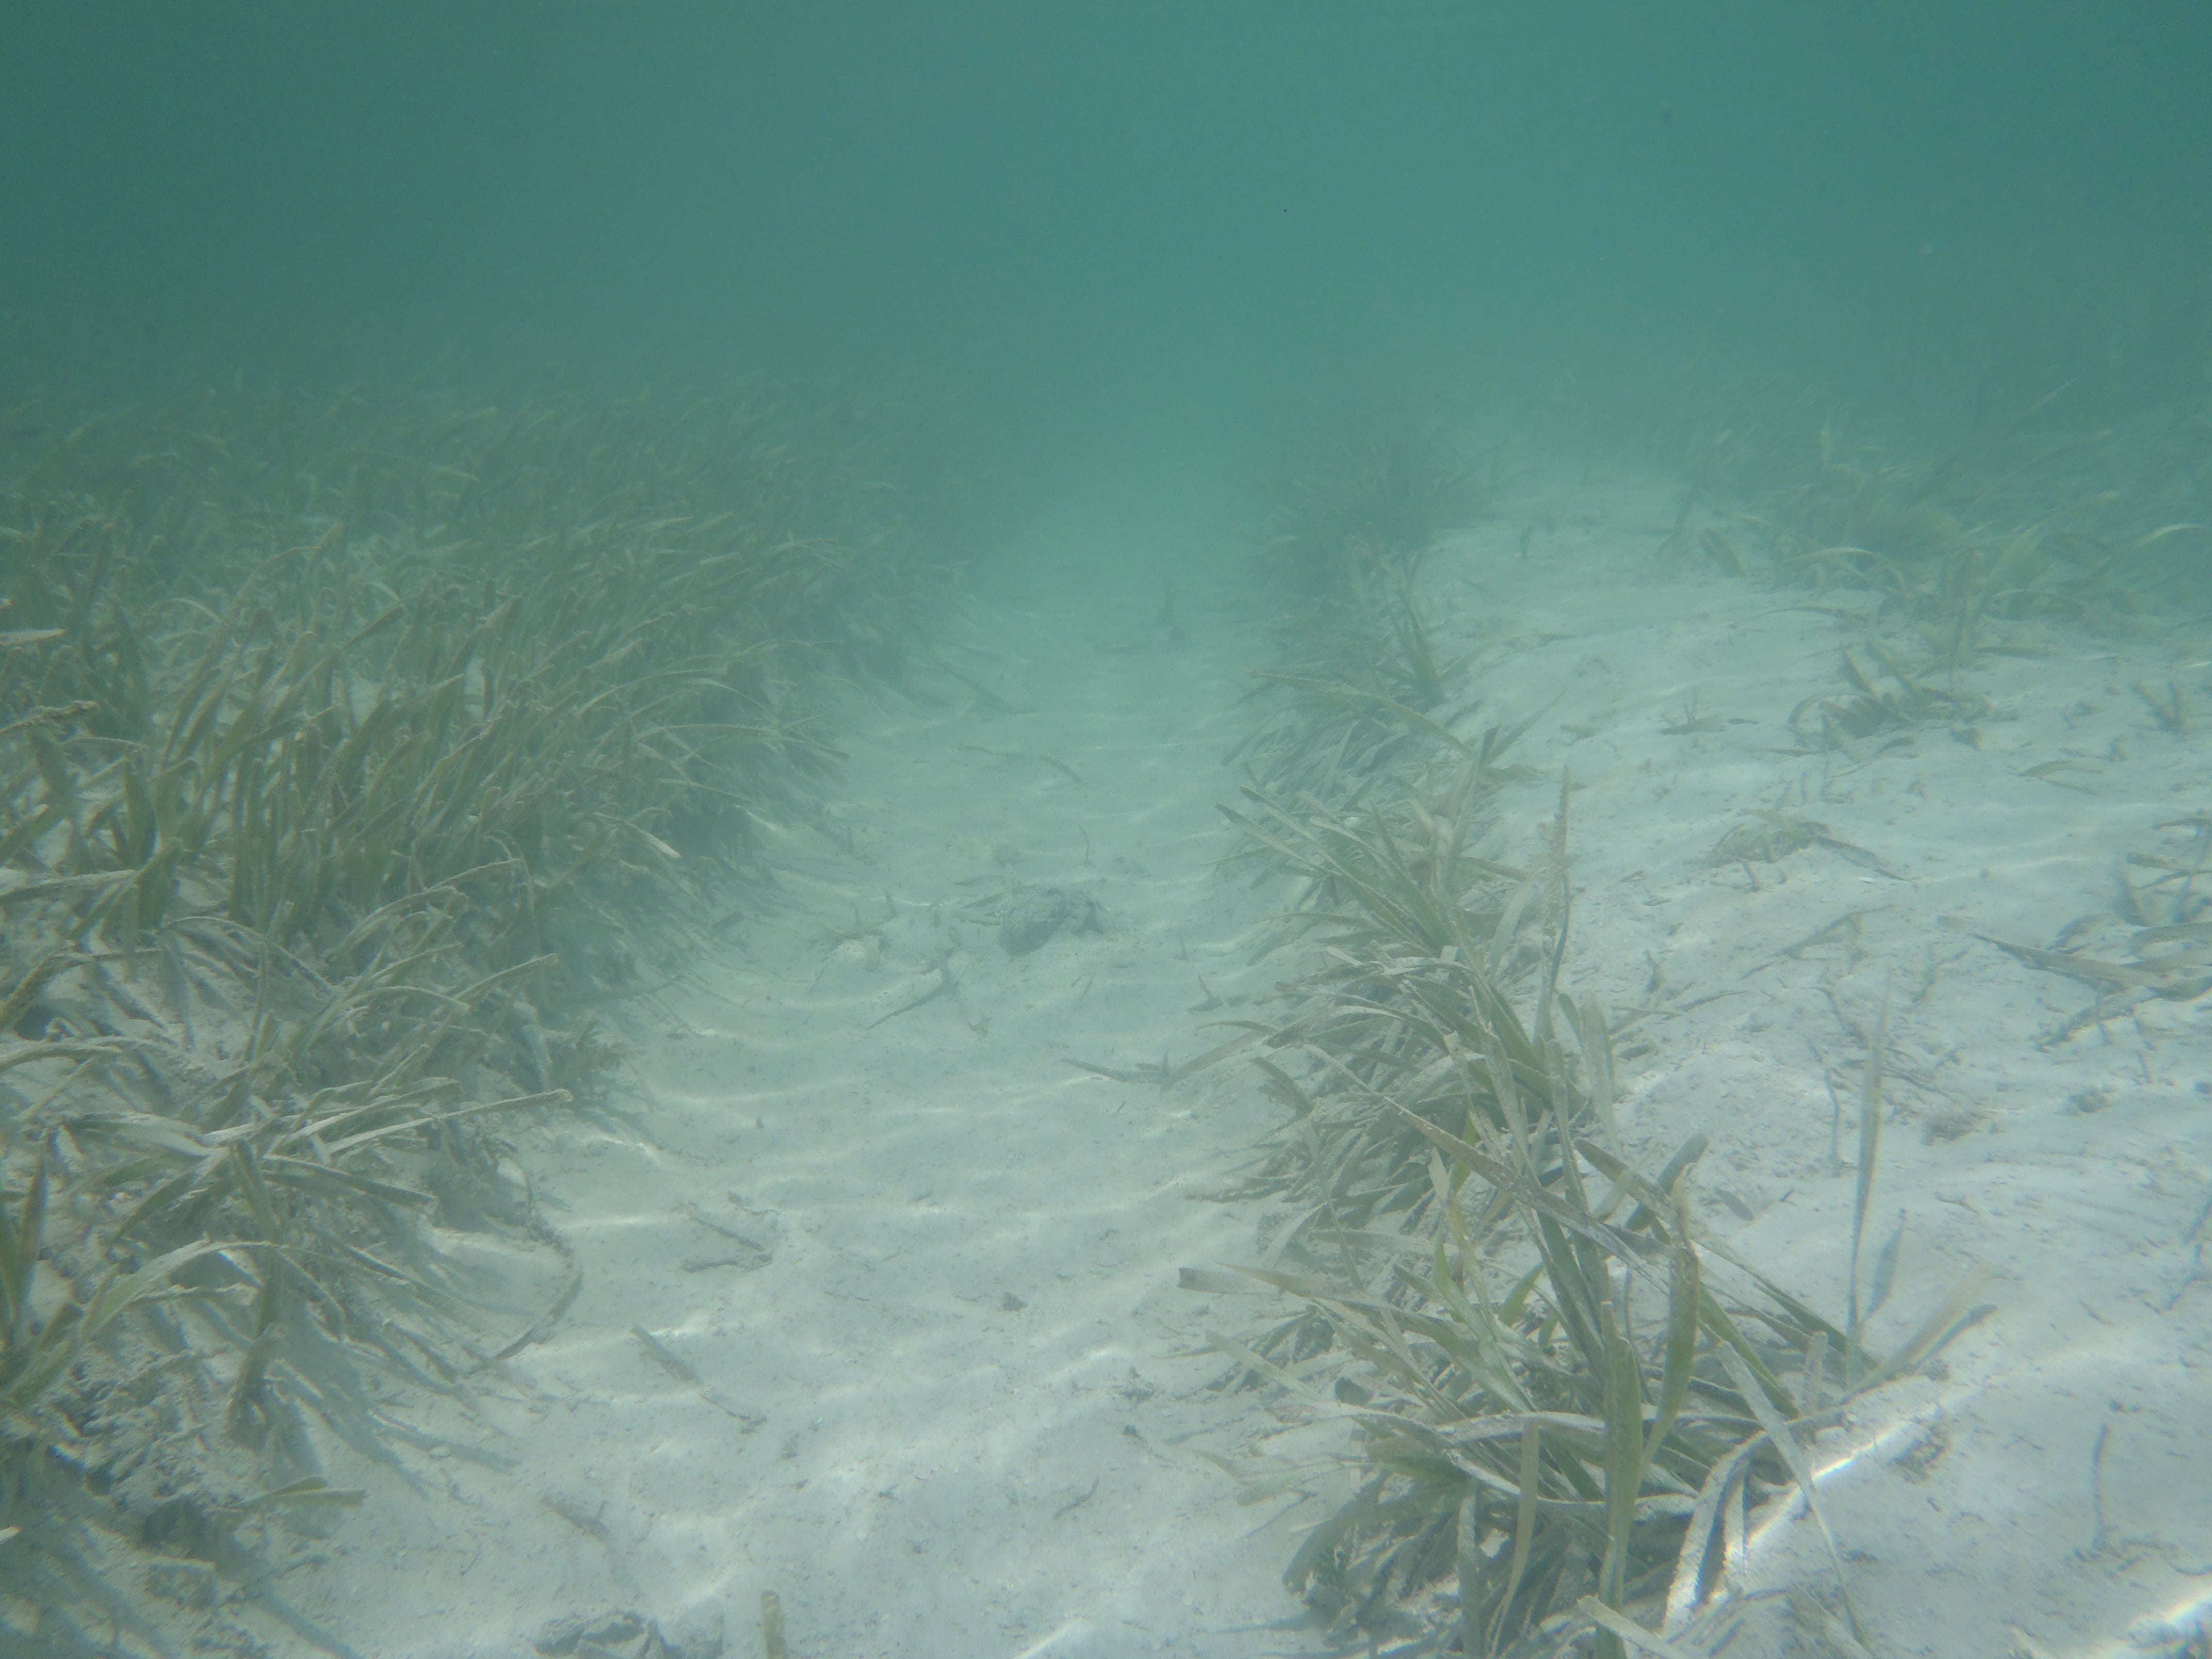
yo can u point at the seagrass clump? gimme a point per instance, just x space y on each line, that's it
1561 1414
354 752
1359 498
1356 686
1946 552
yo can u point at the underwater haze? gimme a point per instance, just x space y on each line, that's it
1109 216
993 831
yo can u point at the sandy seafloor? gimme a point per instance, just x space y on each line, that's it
946 1410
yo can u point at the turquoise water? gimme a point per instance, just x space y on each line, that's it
1101 220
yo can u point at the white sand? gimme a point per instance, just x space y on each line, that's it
964 1349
